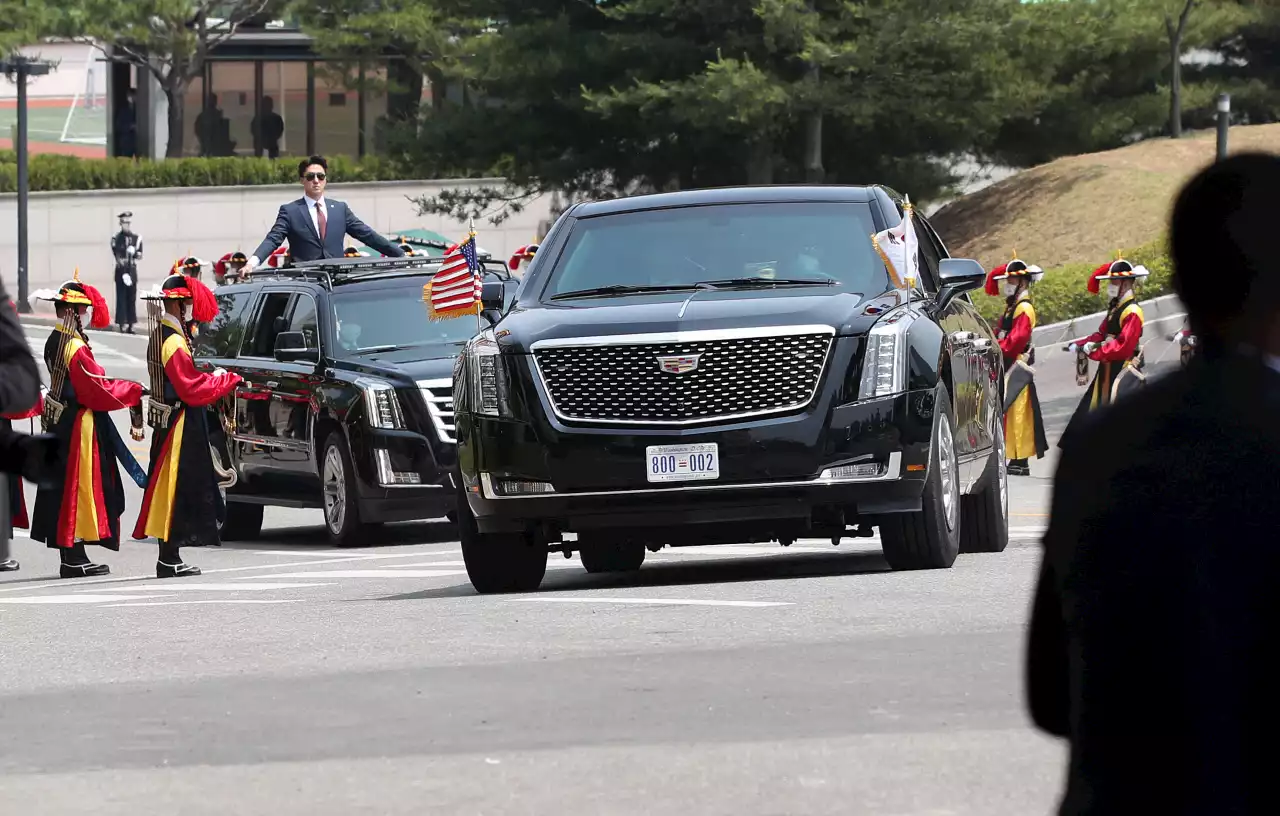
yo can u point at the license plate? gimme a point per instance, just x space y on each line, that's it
683 463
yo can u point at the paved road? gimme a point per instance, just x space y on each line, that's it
293 678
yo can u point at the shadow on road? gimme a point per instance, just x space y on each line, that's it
754 568
312 538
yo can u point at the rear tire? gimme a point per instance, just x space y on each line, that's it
243 522
986 514
930 538
610 556
498 562
341 499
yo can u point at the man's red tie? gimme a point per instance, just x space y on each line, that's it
320 219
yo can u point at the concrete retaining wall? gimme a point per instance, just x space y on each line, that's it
74 229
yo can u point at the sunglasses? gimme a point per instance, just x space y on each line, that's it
314 176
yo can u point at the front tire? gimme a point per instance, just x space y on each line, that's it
930 538
341 499
498 562
610 556
986 513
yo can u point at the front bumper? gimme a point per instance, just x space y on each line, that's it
771 471
384 458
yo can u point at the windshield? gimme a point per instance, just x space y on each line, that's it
688 245
392 316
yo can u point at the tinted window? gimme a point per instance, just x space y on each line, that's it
815 241
929 258
270 322
304 320
393 315
223 336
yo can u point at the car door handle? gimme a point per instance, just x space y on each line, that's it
273 384
962 336
982 344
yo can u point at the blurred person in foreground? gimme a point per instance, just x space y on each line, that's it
20 454
1156 616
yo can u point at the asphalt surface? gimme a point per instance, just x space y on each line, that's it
293 678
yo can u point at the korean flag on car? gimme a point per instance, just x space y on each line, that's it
900 249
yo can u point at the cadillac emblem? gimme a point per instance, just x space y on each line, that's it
679 364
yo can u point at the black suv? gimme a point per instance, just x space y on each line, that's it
723 366
347 400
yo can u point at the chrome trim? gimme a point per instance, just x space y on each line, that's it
683 337
702 335
440 407
274 442
892 473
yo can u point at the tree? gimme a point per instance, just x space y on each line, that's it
170 39
623 96
411 37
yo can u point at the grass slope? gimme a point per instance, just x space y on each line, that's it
1081 209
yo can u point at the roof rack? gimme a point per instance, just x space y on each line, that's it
332 271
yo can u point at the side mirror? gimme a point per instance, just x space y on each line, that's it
958 275
493 295
291 347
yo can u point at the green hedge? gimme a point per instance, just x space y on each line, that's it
52 172
1061 294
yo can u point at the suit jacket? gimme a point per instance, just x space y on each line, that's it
294 224
1156 614
19 377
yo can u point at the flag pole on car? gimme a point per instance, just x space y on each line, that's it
455 290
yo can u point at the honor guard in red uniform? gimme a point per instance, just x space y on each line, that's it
1116 345
182 506
523 254
230 268
1024 435
85 507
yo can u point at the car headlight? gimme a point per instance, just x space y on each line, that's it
486 375
381 403
884 364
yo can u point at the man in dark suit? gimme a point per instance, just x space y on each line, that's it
1156 614
315 226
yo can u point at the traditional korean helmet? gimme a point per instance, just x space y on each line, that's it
78 293
279 258
1013 269
204 306
406 247
351 252
524 253
1118 269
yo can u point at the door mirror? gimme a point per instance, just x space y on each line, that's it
958 275
493 296
291 347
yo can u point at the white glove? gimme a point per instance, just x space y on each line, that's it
1073 347
1090 348
131 250
128 279
218 372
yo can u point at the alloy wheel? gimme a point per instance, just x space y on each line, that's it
947 473
335 497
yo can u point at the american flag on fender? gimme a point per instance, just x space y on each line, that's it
455 289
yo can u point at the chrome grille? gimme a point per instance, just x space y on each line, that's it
620 380
439 397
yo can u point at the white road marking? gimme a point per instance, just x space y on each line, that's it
107 351
655 601
192 587
72 599
213 601
385 573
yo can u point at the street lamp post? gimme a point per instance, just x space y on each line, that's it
19 68
1224 122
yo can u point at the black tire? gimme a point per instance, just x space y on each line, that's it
341 500
985 515
243 522
610 556
928 539
498 562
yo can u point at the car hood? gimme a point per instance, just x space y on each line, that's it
433 362
847 313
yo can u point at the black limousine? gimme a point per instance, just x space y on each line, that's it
732 365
